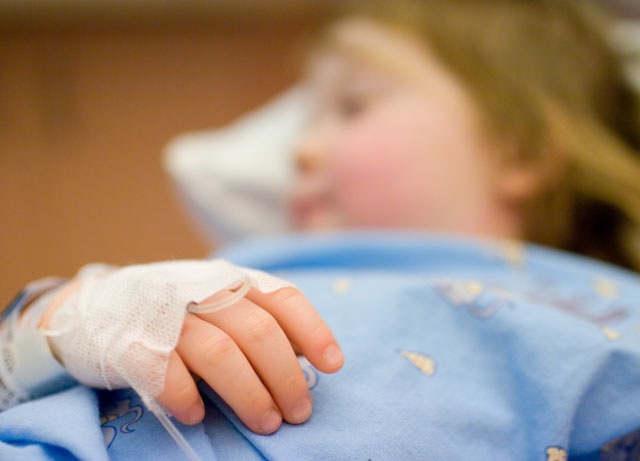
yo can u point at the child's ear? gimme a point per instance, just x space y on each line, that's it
518 180
517 183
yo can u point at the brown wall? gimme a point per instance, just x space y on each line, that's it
84 116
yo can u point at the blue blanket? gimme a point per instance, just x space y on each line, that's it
455 349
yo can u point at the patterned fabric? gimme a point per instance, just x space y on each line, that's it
455 349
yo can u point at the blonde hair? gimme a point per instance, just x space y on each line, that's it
548 82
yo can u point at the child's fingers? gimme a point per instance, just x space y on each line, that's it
180 394
303 325
215 356
268 349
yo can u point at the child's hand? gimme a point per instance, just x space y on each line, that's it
243 352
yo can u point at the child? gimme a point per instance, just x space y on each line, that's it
503 119
522 101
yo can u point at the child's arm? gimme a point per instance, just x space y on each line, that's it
245 354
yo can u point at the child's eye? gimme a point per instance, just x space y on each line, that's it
351 106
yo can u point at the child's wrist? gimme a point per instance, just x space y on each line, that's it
57 301
29 369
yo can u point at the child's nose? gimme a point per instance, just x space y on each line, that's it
310 152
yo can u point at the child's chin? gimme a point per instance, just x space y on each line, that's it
316 222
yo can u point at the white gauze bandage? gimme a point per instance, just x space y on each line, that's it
118 329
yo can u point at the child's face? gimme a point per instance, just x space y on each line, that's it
396 142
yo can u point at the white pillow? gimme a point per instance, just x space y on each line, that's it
235 179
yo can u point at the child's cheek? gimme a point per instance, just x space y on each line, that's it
373 173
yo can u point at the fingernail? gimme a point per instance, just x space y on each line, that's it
301 411
332 355
270 421
196 413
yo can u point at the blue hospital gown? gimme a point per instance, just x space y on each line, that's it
455 349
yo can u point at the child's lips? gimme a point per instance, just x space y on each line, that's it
304 208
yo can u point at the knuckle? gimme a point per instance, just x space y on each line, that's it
317 328
295 382
261 325
286 296
184 396
217 348
257 400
